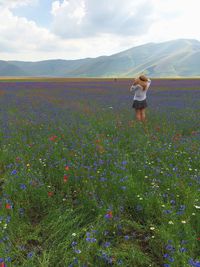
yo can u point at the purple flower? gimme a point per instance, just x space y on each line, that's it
106 232
139 207
23 186
74 243
107 244
9 259
193 263
171 259
170 248
30 255
173 202
21 211
88 234
182 249
78 251
167 211
123 187
166 255
14 172
119 262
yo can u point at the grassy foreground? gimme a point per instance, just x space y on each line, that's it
96 188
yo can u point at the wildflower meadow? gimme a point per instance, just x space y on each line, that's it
83 184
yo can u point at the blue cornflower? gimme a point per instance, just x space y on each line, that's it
139 207
88 234
9 259
8 219
170 247
166 255
180 212
30 255
76 261
74 243
103 179
184 241
106 232
173 202
107 244
23 186
126 237
182 249
14 172
21 211
167 211
119 262
193 263
78 251
171 259
123 187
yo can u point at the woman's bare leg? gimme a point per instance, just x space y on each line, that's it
143 115
143 119
138 115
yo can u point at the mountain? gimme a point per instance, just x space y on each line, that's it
176 58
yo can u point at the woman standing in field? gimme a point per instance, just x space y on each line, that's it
139 88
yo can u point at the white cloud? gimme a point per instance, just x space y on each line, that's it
16 3
90 28
83 18
174 19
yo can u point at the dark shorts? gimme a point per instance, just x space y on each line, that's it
139 104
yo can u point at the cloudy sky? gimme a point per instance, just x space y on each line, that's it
33 30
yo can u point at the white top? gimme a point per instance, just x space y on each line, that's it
140 94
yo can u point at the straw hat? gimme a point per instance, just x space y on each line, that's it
142 80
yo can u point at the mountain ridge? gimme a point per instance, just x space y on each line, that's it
175 58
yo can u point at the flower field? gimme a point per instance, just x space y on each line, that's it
84 184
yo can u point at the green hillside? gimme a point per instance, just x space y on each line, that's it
176 58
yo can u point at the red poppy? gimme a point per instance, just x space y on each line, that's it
157 128
8 206
17 159
53 138
3 264
65 178
198 238
67 168
176 137
50 194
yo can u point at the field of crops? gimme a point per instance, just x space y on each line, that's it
82 183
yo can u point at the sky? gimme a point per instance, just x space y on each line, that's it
34 30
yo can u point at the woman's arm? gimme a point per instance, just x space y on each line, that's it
134 88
